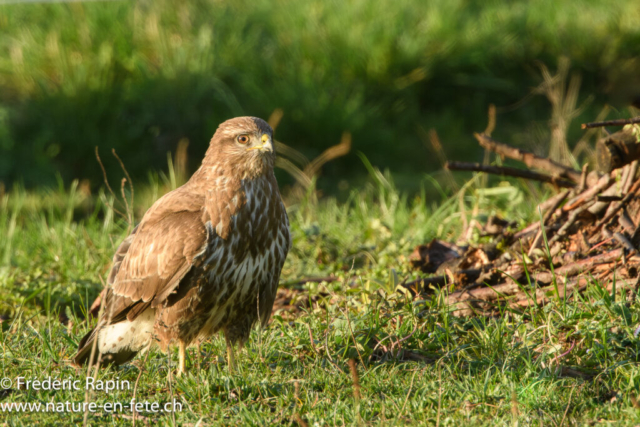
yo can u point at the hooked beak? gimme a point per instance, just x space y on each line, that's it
266 144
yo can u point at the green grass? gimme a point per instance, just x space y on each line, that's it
140 76
469 371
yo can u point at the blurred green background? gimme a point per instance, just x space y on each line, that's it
142 76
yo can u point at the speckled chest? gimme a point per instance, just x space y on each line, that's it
248 261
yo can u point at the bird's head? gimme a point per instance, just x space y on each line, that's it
243 145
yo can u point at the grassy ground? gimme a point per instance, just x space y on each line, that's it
415 362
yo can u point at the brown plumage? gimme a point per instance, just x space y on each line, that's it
206 257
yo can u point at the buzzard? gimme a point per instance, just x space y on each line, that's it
206 257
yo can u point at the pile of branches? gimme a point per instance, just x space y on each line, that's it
587 234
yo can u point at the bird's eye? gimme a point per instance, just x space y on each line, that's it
243 139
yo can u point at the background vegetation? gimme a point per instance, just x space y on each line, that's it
139 76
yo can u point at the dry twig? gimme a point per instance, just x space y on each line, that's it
528 158
508 171
617 122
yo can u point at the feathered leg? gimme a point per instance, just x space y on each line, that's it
231 358
198 356
181 358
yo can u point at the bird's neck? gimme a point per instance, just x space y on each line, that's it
227 175
226 192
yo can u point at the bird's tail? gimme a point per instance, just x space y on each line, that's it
85 349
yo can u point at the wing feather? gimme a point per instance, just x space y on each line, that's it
157 255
